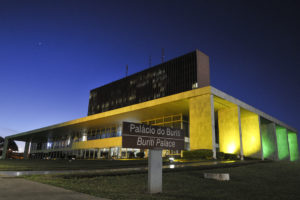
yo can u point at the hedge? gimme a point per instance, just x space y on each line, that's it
198 154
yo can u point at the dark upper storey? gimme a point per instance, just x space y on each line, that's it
174 76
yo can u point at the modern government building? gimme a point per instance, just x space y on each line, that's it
177 94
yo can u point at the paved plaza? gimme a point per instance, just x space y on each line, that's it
13 188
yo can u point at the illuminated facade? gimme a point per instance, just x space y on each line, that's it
178 94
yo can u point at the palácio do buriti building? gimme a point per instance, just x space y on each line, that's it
176 93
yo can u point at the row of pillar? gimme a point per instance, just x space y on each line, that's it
81 153
240 131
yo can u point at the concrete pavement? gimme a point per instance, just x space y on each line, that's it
13 188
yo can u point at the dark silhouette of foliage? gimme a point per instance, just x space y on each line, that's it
11 144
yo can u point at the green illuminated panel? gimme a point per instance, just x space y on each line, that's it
282 143
293 145
268 146
268 139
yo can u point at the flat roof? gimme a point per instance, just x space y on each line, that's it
173 104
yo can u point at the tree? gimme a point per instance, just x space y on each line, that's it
1 142
1 145
11 144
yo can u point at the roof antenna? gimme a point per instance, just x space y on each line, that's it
162 55
126 70
150 61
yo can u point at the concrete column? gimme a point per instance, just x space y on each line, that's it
155 171
69 142
261 142
213 132
120 152
26 150
94 154
109 153
98 153
84 154
4 151
240 130
276 142
120 155
89 154
288 144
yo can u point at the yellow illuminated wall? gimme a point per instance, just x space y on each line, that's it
250 134
200 122
229 135
97 144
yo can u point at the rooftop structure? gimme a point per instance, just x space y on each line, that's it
180 74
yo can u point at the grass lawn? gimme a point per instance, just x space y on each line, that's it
275 180
36 165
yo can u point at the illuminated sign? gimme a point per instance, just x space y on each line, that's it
143 136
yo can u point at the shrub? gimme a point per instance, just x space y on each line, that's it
140 154
228 156
221 155
198 154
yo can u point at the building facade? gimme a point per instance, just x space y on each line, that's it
177 94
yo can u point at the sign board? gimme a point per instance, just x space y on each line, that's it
143 136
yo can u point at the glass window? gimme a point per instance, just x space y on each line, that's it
177 125
168 119
161 120
107 131
151 122
98 134
169 124
103 135
176 117
113 132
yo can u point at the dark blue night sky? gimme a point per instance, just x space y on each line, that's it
53 52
